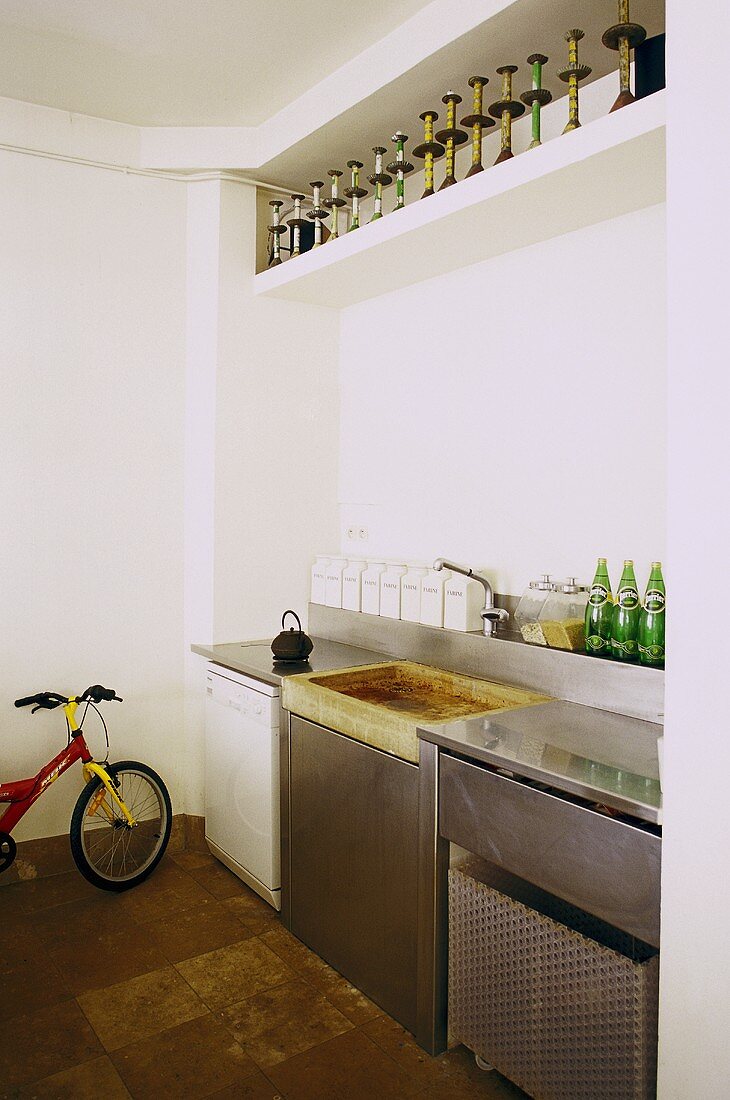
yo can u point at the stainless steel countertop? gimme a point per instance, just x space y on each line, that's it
596 754
606 758
256 659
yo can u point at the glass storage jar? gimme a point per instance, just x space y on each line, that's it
563 615
529 608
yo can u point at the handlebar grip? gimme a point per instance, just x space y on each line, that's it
27 701
98 694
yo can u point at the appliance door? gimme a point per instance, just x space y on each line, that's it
242 777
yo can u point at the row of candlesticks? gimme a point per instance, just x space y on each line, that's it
621 37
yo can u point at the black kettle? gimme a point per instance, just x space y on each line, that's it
291 644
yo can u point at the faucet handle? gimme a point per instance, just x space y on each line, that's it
494 616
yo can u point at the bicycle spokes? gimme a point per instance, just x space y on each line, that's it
114 848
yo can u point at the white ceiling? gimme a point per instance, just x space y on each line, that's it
182 62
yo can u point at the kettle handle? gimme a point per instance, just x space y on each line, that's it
295 616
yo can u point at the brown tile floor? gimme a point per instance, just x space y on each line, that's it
189 986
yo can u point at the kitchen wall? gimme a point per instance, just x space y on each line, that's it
92 297
276 438
512 414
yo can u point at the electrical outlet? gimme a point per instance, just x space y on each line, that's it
351 533
363 533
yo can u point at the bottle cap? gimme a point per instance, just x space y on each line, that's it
628 561
602 561
656 565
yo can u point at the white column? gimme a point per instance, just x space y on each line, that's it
203 259
694 1038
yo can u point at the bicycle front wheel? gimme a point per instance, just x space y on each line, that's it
108 851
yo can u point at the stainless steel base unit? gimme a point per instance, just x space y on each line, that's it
608 867
353 862
556 1011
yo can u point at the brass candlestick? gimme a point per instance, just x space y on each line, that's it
478 122
572 74
295 224
334 203
379 180
400 166
355 192
506 108
276 230
537 97
451 136
428 150
318 213
624 36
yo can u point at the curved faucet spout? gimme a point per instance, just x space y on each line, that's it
491 616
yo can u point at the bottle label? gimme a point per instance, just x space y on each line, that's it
596 644
599 595
630 647
653 652
628 597
655 601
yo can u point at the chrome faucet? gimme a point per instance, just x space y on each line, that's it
491 616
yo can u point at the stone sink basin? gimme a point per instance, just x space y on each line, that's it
382 705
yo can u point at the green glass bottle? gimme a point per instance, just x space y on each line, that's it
625 621
599 613
652 619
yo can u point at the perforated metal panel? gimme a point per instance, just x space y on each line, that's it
563 1016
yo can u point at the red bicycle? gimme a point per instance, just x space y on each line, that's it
121 823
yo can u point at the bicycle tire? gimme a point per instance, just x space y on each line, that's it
108 853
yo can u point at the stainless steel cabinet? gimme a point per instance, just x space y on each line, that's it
353 862
607 867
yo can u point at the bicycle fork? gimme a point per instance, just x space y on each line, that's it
91 769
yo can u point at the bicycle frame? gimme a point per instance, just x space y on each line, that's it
24 792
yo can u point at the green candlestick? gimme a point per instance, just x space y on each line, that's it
537 97
379 180
334 203
400 167
355 192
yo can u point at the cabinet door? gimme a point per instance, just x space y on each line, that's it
354 852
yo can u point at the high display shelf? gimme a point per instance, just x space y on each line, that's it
612 166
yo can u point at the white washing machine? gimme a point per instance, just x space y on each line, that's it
242 778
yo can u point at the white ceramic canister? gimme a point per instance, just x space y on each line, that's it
390 590
463 602
370 597
333 582
319 579
352 584
410 593
432 596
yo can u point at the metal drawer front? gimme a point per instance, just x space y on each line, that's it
604 866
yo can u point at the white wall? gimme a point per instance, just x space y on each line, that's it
512 414
276 439
694 1054
92 285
